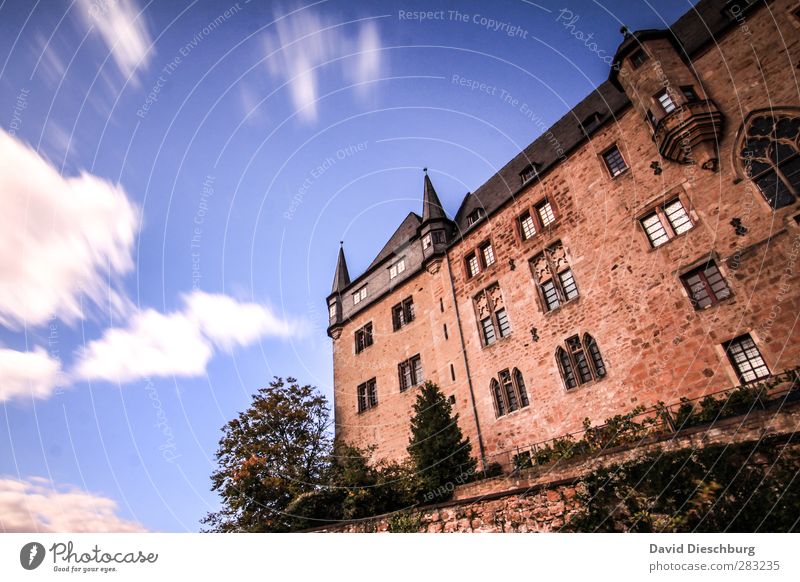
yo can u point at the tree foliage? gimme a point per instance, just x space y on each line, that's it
438 450
746 487
273 452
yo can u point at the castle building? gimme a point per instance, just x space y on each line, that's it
644 249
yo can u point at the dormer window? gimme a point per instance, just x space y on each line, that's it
591 123
474 216
638 58
397 268
529 173
360 295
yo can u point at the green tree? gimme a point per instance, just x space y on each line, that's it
439 452
273 452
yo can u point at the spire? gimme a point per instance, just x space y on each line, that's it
341 278
431 206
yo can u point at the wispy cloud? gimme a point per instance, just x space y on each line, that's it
180 343
60 239
302 42
38 505
122 30
28 374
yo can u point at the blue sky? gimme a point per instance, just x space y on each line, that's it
175 178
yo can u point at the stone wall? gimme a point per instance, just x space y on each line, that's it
543 499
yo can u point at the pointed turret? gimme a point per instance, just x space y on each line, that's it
431 206
436 229
341 278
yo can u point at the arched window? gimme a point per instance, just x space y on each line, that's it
769 154
580 362
500 408
508 391
594 355
520 382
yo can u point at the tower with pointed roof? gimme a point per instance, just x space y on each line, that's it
435 230
341 279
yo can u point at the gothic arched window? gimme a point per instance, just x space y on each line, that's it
770 155
509 392
580 362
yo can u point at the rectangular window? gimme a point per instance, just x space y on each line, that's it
689 93
360 295
614 162
746 359
527 228
363 338
488 331
578 356
677 216
438 237
403 313
553 275
367 395
397 268
666 222
503 327
426 242
550 295
655 231
332 311
487 254
545 212
666 102
410 372
568 286
638 58
705 285
472 265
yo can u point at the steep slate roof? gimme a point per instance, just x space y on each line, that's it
341 278
546 151
404 233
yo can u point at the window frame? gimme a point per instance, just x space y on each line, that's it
468 263
367 395
398 267
573 351
403 313
529 173
505 384
699 270
360 295
665 220
482 251
555 281
726 346
604 155
367 332
638 58
416 374
521 220
494 325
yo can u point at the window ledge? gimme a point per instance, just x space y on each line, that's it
584 385
497 341
622 173
553 311
512 413
730 299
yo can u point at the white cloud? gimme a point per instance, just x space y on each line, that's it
28 374
123 33
300 43
61 238
38 505
180 343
